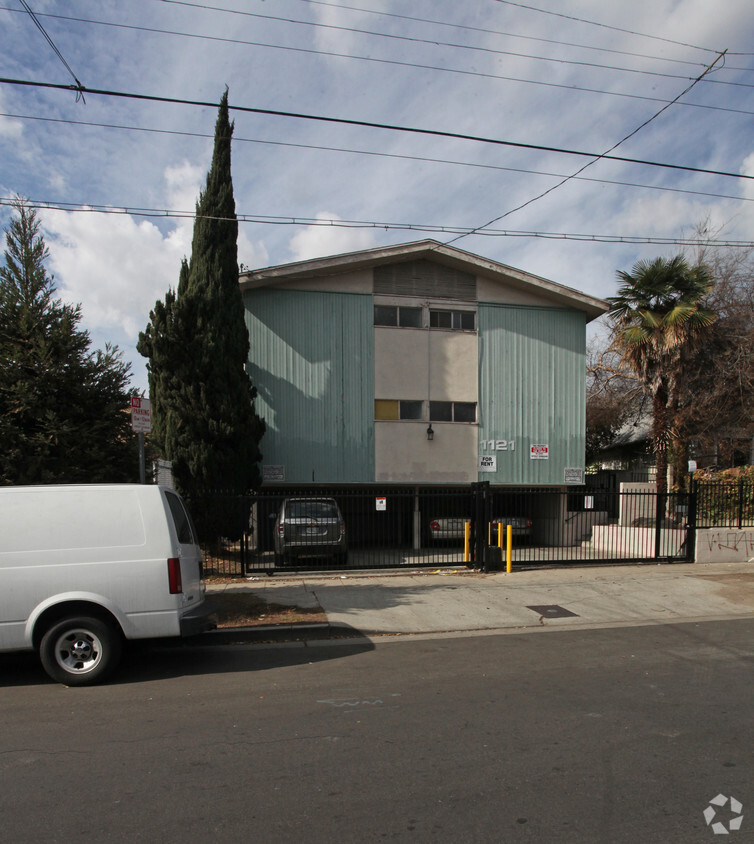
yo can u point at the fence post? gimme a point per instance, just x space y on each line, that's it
481 518
691 524
740 502
659 518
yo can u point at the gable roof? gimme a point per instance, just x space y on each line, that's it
428 250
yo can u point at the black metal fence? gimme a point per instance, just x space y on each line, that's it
724 504
418 527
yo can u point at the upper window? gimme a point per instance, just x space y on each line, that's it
411 409
405 317
456 320
410 317
452 411
396 409
385 315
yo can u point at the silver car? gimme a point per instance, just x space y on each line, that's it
452 528
310 527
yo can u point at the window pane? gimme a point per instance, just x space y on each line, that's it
467 320
311 509
411 317
385 409
440 411
180 519
385 315
439 319
464 411
411 410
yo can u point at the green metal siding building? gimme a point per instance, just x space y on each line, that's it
418 364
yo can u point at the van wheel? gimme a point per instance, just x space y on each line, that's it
80 651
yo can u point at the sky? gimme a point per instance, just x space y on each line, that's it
528 85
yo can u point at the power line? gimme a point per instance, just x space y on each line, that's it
394 62
487 31
376 154
590 163
606 26
437 43
49 40
162 213
373 125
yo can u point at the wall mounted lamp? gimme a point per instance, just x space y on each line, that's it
430 433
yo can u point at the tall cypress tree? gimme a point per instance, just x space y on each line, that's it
197 345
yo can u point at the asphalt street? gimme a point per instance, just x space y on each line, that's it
623 734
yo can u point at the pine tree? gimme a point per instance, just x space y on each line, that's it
197 345
63 408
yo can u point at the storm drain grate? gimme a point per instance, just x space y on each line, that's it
553 611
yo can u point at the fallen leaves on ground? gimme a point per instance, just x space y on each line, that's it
242 609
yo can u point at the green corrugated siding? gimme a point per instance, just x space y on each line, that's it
532 390
312 361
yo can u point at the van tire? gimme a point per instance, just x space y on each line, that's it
80 650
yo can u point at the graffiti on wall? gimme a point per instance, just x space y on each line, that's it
730 544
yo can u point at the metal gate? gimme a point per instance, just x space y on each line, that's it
398 527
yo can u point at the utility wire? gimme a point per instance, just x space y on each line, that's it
376 154
604 155
52 44
487 31
437 43
394 62
70 207
372 125
605 26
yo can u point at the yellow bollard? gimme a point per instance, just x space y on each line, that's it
509 551
466 541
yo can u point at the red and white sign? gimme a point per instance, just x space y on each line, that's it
539 452
141 415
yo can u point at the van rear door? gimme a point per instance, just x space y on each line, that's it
185 572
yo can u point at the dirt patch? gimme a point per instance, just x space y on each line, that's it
738 588
243 609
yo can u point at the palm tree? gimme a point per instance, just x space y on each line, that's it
659 318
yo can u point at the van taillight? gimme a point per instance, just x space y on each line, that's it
174 576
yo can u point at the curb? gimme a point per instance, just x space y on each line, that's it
276 633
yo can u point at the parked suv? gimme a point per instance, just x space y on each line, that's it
310 527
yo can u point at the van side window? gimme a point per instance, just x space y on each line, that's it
181 519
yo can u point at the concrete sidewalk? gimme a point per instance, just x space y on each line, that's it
461 601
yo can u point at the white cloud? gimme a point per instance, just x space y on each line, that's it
253 255
318 241
118 266
115 267
11 129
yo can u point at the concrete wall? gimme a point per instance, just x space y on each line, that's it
403 453
637 509
636 541
419 363
724 545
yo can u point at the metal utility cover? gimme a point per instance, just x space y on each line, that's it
553 611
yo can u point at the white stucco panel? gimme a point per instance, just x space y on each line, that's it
400 363
403 454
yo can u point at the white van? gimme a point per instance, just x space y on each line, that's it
83 567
